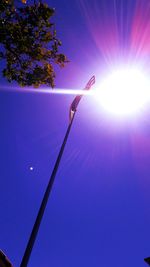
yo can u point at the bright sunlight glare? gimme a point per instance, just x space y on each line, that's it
124 92
44 90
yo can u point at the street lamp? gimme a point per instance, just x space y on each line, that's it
40 214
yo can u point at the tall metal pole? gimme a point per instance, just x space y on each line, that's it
40 214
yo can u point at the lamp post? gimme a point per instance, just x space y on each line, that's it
40 214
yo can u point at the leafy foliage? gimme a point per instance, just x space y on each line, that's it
28 43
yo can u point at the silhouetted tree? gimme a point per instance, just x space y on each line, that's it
28 43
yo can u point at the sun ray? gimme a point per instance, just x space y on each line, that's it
45 90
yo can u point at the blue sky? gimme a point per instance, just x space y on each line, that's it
98 213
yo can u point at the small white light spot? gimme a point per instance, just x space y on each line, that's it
31 168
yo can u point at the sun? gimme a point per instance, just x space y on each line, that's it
124 92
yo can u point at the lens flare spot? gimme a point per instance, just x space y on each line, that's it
31 168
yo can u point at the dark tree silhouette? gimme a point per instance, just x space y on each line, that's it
28 43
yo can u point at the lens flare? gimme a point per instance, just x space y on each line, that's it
45 90
124 92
